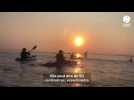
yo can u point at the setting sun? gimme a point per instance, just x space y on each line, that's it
79 41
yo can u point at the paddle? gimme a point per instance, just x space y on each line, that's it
34 47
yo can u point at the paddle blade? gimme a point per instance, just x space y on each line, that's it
34 47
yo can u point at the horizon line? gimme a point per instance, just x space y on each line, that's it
69 52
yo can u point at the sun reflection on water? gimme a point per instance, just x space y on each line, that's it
77 70
78 62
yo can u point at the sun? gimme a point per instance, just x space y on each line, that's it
79 41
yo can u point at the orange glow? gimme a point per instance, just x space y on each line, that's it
78 62
79 41
77 70
78 55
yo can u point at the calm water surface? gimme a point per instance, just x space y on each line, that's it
101 70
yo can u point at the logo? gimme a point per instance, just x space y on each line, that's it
126 21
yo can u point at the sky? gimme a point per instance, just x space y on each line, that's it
103 32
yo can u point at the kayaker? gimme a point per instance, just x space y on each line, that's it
85 54
131 60
72 56
60 59
24 54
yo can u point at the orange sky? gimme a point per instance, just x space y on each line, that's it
102 31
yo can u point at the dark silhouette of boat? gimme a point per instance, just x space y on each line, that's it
32 58
55 64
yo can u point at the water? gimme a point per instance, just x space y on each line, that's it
101 70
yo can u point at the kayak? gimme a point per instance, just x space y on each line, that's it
77 58
32 58
55 64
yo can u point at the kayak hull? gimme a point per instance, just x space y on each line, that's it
55 64
77 58
27 59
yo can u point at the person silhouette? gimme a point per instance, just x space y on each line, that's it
131 60
60 59
85 54
24 54
72 56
